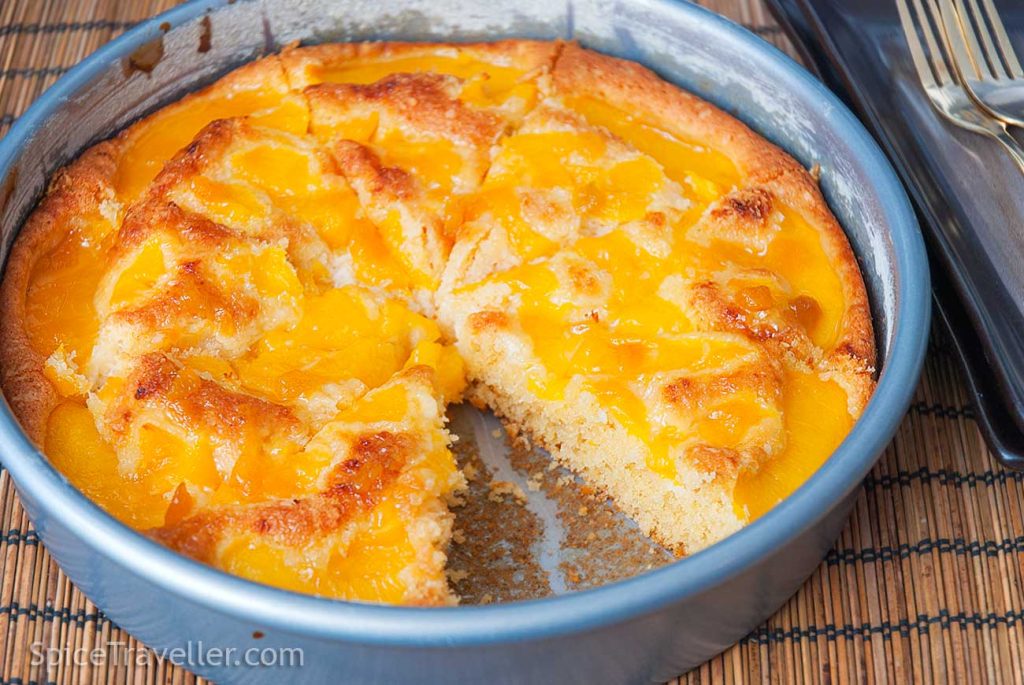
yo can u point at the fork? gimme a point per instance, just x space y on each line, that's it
985 58
940 80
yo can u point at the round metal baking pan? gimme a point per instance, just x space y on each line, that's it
650 627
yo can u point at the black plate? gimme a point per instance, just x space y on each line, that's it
968 193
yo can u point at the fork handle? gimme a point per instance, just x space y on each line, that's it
1011 145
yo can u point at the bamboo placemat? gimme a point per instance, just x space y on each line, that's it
925 583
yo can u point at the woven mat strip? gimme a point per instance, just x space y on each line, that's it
926 582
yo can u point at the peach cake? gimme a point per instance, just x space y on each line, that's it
236 325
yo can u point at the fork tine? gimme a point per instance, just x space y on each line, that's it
1009 54
917 51
938 57
960 39
973 24
924 71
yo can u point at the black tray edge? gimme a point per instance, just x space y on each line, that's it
997 424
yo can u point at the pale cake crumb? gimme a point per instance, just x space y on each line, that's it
500 488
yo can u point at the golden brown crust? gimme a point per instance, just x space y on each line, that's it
211 141
489 320
741 216
155 215
369 175
426 103
373 464
159 381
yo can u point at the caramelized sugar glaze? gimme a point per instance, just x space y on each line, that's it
236 325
